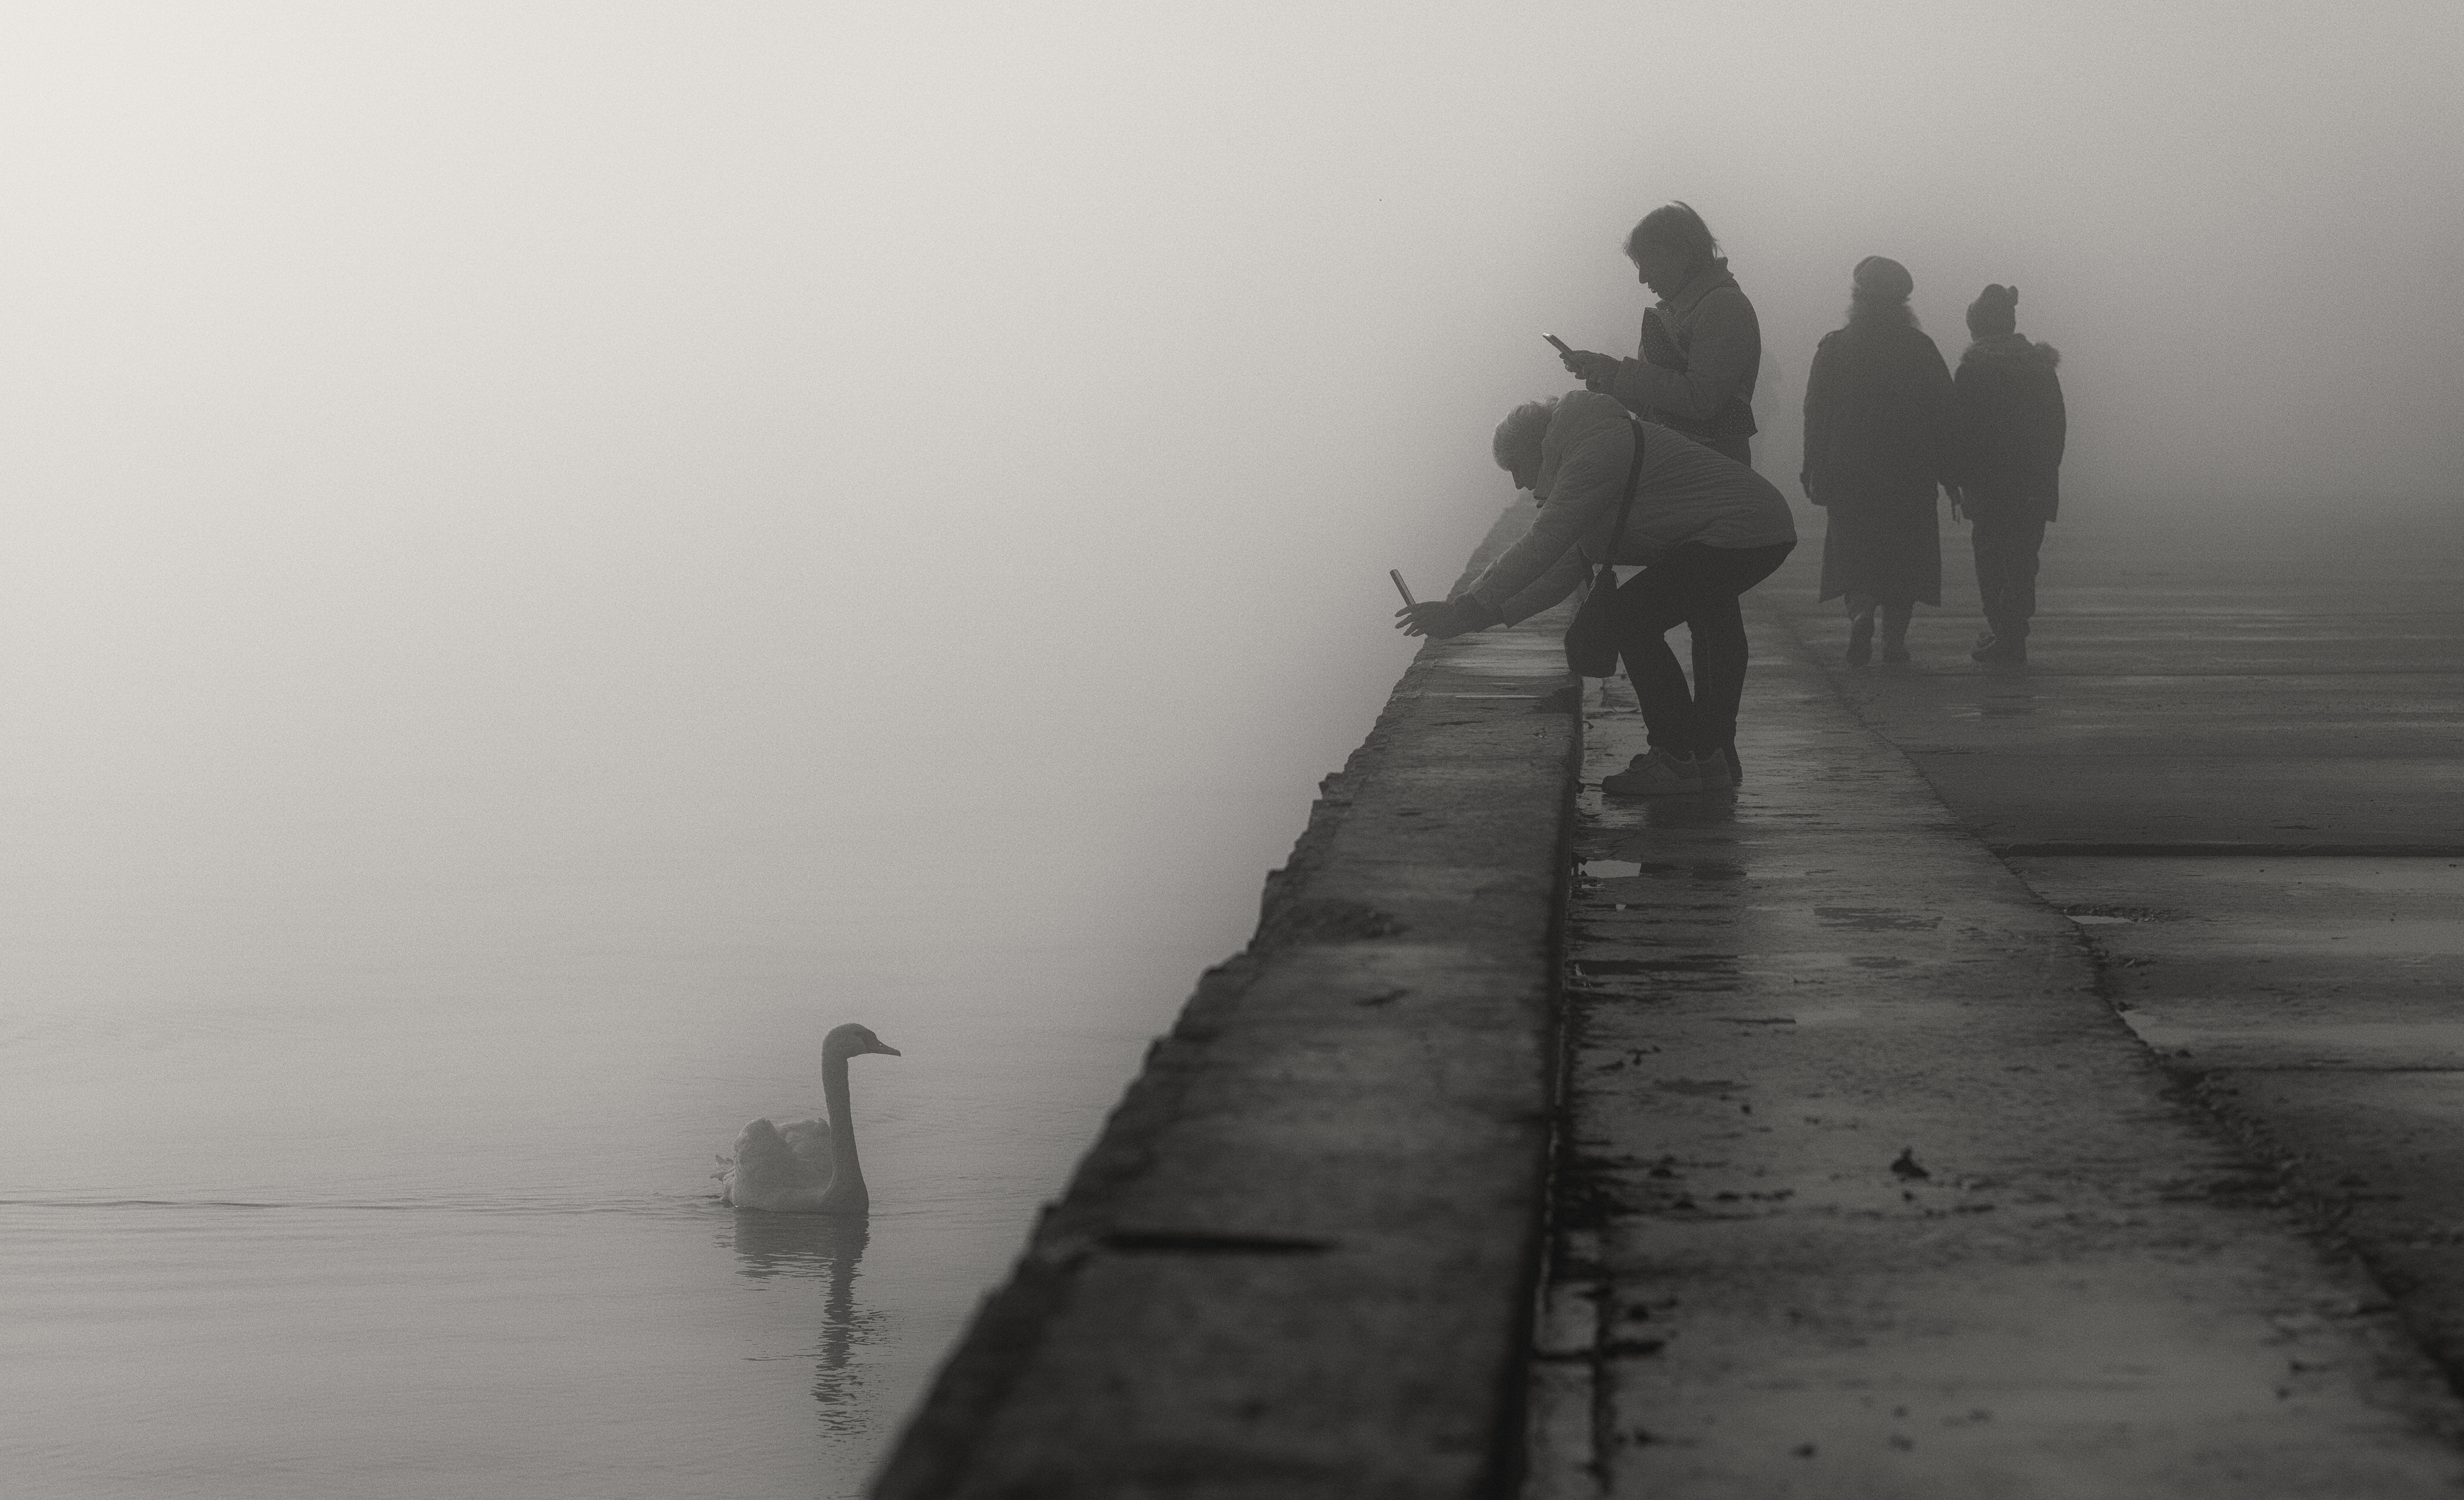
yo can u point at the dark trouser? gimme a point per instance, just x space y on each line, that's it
1699 586
2006 571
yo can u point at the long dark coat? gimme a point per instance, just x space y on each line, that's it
2007 428
1876 414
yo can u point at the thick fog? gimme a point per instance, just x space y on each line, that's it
958 449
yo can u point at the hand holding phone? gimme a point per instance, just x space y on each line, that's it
1559 343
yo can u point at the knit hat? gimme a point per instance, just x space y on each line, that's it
1995 311
1884 279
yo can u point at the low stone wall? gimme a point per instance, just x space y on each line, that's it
1300 1259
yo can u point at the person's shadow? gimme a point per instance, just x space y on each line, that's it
826 1248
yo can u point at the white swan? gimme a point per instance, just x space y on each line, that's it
808 1167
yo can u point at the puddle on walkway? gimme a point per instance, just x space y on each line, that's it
1628 869
2092 914
1875 919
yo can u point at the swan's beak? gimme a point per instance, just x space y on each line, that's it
889 1050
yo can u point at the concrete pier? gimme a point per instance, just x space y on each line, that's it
2028 1083
1299 1261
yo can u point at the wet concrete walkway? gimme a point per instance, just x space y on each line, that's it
2028 1084
2239 766
1870 1188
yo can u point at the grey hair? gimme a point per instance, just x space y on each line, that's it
1868 311
1521 430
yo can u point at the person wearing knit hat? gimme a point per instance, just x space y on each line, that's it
1877 401
2007 425
1995 312
1881 278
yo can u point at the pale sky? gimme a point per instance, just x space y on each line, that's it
988 425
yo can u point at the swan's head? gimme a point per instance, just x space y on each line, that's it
853 1041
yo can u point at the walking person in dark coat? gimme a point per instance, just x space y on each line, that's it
2007 431
1876 408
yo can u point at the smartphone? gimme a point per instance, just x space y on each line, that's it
1401 587
1559 343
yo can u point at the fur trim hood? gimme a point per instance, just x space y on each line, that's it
2008 349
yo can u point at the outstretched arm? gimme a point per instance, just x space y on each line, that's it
1439 619
1546 564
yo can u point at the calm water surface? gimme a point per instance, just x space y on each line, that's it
399 1182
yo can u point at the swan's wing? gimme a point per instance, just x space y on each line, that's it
810 1142
769 1168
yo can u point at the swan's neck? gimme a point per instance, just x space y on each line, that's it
847 1174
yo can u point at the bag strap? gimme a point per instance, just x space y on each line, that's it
1625 507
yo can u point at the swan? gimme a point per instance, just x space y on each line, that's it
808 1167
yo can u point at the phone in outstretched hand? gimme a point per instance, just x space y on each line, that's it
1401 587
1559 343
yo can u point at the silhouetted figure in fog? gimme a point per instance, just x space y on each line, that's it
1701 348
1877 405
2007 425
1706 528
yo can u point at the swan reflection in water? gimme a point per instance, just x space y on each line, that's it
823 1248
799 1197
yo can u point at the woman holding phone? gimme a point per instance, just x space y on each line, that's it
1694 367
1700 352
1704 527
